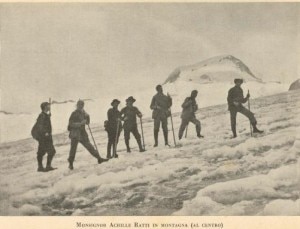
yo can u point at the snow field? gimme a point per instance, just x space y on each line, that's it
212 176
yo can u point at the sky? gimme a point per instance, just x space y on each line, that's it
92 50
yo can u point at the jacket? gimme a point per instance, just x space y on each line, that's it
189 107
76 128
113 116
160 105
235 98
128 115
43 125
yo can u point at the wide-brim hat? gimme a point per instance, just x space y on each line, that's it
238 80
115 101
130 99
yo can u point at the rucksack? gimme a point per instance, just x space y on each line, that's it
106 125
35 131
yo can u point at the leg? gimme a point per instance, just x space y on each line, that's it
40 154
111 141
249 115
198 126
164 123
251 118
137 136
51 152
87 144
74 144
156 130
233 121
184 123
127 137
109 145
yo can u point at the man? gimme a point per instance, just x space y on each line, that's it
160 105
78 119
128 115
188 114
235 100
44 133
113 128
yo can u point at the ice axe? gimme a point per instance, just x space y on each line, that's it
173 128
250 111
142 133
116 139
50 101
93 137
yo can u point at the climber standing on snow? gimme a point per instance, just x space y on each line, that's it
42 132
160 105
128 115
189 107
78 119
235 100
113 128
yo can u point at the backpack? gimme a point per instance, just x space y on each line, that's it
35 132
106 125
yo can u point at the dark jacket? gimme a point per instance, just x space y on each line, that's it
113 115
44 125
76 128
128 115
236 95
160 105
189 107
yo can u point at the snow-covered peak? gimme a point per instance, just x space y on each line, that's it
217 69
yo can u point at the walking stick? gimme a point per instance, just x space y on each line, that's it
93 137
250 111
50 105
186 130
142 133
173 128
116 140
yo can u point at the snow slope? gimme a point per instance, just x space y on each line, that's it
212 176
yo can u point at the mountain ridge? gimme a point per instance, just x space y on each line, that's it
213 68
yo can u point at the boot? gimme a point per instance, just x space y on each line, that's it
233 128
108 155
255 130
127 146
198 130
48 166
40 164
166 138
115 151
101 160
155 138
70 164
140 145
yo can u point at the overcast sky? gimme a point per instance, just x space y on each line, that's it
89 50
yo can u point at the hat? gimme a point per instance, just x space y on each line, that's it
238 81
130 99
44 104
115 101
